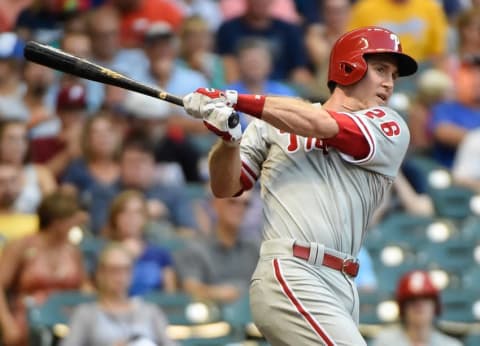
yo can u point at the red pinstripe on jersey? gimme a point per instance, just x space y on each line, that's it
298 305
247 177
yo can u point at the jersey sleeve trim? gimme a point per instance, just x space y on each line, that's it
247 176
350 139
369 138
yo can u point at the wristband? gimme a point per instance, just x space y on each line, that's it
250 104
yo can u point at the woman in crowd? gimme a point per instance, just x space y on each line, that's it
115 318
153 267
98 168
35 266
37 180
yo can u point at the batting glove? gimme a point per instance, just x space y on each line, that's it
195 103
216 116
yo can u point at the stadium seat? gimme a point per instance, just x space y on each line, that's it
460 307
192 323
49 320
471 279
239 316
452 202
405 228
388 276
454 254
421 170
472 340
370 311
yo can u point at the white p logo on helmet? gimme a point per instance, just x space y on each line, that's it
396 40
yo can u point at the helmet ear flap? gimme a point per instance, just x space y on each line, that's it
346 68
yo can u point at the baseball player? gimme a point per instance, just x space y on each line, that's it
323 170
419 302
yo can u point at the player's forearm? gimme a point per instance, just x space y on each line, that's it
225 169
299 117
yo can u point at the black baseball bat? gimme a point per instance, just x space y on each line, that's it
59 60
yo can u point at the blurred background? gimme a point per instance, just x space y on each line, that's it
109 234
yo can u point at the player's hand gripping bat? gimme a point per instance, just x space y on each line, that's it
62 61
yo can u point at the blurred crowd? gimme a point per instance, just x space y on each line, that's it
82 162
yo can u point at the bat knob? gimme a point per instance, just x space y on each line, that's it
233 120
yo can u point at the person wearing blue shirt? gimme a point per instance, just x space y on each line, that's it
450 123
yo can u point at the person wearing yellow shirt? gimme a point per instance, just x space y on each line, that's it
13 224
421 24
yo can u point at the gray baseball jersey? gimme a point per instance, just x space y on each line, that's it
315 193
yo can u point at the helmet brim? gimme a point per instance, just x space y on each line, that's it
406 64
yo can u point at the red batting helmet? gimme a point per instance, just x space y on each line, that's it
417 284
347 62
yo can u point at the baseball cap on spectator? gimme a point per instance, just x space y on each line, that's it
72 97
158 30
11 46
145 107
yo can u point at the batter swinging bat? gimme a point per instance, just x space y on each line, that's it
61 61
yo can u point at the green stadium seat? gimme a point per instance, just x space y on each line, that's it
49 320
192 323
452 202
460 308
472 340
471 279
404 228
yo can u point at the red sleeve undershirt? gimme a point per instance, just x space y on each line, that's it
349 139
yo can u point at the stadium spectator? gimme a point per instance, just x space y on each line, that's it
254 60
176 156
208 10
281 9
163 70
403 197
461 61
46 20
196 50
285 39
39 99
433 86
103 26
137 171
319 39
219 267
420 24
115 318
9 10
138 15
34 266
36 180
97 169
58 150
466 166
12 88
127 223
452 120
12 223
419 303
